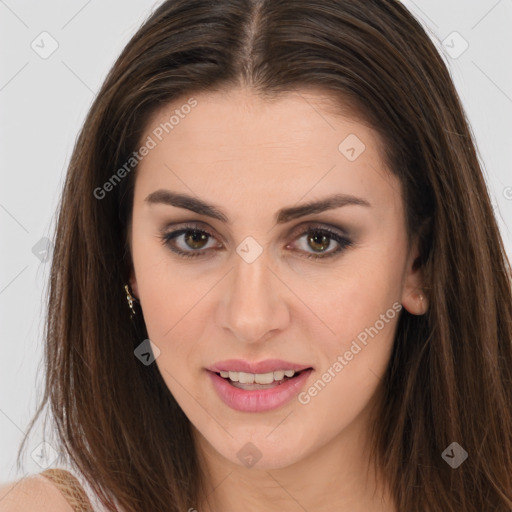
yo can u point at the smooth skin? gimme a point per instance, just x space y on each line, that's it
31 494
250 158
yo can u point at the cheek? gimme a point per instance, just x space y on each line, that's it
176 305
352 297
350 373
173 309
174 317
165 290
359 307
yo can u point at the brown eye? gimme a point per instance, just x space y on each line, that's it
196 239
319 242
189 242
192 242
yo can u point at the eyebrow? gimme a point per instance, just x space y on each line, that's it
284 215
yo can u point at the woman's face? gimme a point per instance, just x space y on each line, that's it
271 285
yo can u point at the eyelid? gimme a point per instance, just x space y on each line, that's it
192 224
337 234
321 226
296 230
171 232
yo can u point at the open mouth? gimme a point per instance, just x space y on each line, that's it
251 381
258 392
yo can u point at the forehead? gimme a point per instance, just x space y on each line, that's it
237 120
234 141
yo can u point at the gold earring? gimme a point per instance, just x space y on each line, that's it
130 299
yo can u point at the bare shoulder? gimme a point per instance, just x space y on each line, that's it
30 494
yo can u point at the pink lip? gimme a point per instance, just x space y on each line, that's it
266 366
258 400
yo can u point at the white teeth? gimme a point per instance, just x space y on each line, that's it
279 375
264 378
245 378
258 378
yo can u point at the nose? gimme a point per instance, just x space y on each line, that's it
254 304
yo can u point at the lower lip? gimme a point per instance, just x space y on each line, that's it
258 400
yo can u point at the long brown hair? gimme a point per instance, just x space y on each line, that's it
450 375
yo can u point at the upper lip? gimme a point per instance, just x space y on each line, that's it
266 366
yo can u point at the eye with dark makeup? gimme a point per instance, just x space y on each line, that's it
318 235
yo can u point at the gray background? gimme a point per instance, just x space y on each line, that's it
44 99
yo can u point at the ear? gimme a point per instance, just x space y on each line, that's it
134 289
133 284
414 299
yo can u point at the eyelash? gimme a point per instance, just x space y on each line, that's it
343 241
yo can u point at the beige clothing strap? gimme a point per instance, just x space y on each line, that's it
70 488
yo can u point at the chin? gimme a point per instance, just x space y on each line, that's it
259 452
